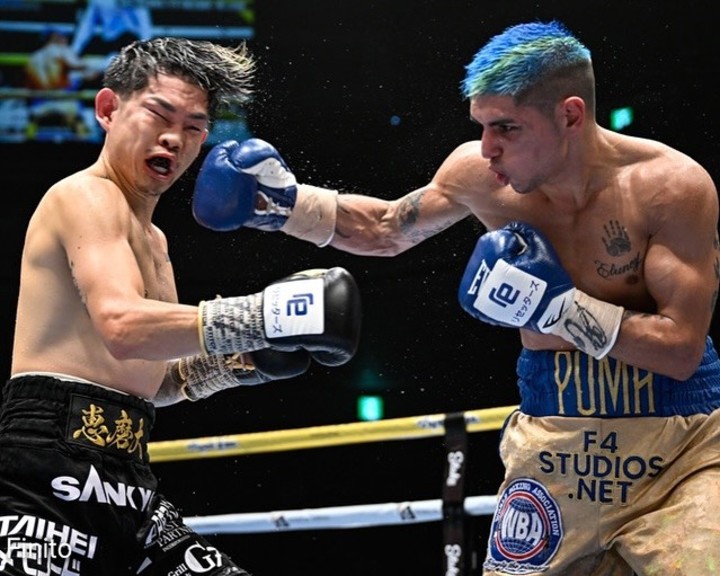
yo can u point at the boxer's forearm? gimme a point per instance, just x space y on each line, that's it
370 226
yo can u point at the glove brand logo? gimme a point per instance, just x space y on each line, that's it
509 295
299 304
556 310
554 319
295 307
479 279
504 295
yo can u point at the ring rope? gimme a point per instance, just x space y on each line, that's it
358 516
481 420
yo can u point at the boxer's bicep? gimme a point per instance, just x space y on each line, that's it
95 233
681 266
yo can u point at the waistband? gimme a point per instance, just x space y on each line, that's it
571 383
44 408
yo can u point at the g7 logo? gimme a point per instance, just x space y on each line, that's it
200 559
504 295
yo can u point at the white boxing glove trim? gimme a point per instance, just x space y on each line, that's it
203 375
508 294
294 307
591 324
314 215
229 325
271 172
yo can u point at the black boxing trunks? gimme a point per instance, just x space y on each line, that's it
77 496
609 471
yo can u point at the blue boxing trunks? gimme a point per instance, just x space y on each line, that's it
610 471
77 496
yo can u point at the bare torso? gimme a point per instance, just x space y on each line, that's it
54 332
641 233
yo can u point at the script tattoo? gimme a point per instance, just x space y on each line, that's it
608 270
616 238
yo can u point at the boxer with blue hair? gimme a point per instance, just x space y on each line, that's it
602 249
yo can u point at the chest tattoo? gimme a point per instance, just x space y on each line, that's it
616 239
618 245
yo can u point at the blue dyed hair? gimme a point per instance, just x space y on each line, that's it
520 60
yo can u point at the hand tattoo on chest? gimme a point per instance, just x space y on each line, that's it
617 244
616 238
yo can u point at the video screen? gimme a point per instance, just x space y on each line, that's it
54 53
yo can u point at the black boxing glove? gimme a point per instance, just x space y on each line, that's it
315 310
337 341
203 375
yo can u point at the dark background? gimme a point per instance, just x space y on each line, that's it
332 74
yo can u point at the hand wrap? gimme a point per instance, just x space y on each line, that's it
203 375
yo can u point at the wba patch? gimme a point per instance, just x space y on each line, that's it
526 531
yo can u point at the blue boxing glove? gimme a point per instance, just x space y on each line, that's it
249 184
514 278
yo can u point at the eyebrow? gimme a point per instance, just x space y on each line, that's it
501 121
170 108
497 122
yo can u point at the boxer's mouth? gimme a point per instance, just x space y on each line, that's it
160 165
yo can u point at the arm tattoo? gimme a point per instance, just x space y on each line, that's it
409 210
409 213
630 313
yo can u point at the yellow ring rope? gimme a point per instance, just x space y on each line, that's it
321 436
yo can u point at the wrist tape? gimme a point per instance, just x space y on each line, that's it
229 325
313 216
203 375
591 324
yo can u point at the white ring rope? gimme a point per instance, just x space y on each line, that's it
334 435
335 517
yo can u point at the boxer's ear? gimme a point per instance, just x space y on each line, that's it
106 102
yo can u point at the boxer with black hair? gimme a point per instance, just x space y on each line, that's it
101 339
